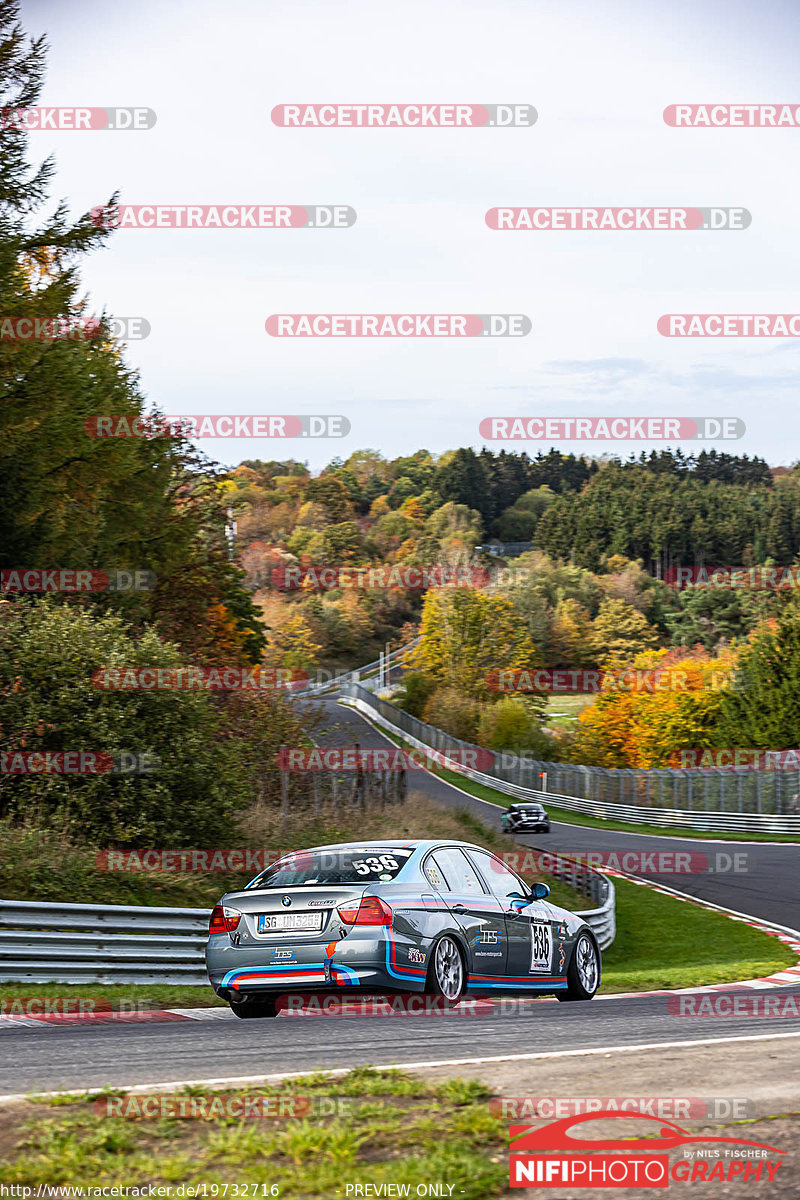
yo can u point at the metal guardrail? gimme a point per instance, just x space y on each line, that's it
653 810
582 879
598 887
367 675
506 549
97 943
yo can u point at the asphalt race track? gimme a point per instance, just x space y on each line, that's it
48 1058
221 1047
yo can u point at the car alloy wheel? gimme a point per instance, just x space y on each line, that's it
583 974
586 963
448 969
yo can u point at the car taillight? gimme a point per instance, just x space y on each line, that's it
223 920
371 911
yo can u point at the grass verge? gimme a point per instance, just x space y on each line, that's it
662 942
383 1126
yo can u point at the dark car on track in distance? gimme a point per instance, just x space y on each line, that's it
388 917
526 817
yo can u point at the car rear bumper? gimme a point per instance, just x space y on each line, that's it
367 963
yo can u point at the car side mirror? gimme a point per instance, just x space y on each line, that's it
540 891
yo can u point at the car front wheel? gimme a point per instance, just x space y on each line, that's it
583 973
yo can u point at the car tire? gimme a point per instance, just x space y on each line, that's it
446 971
251 1009
583 973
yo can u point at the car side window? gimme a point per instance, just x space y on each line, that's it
462 876
434 873
501 879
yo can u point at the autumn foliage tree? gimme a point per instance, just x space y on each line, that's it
68 499
763 709
465 634
666 701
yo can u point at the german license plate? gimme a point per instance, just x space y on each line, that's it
282 922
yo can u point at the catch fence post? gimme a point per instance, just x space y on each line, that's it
284 797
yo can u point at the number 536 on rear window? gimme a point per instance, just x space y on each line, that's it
375 863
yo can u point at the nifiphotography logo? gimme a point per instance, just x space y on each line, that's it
632 1161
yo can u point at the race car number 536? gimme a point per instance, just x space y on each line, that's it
541 946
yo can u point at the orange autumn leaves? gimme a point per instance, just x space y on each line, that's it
635 727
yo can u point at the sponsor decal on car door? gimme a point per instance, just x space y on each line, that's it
529 929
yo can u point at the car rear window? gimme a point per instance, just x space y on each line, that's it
366 864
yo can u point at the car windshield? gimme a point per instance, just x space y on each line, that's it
364 864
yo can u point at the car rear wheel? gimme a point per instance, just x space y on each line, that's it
583 973
249 1009
446 971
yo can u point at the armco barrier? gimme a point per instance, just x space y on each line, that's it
96 943
603 918
369 675
658 790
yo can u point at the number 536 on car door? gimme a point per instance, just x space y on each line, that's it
541 946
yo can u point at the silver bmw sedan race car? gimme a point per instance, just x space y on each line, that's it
388 917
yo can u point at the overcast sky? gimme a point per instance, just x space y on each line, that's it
599 77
